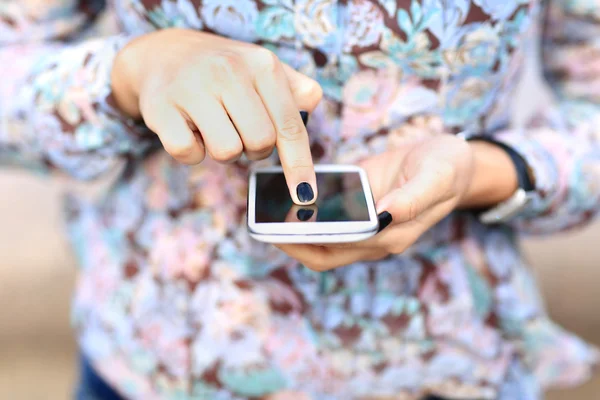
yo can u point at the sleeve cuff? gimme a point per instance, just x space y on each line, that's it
63 112
542 165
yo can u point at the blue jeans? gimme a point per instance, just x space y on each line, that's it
91 386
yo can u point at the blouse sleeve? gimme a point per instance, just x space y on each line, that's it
562 143
56 107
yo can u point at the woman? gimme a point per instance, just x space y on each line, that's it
175 301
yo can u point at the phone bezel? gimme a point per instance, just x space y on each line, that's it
313 228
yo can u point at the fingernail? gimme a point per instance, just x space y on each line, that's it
305 192
304 214
304 116
385 218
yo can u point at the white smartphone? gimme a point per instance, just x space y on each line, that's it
344 210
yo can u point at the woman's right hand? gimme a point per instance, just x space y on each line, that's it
202 93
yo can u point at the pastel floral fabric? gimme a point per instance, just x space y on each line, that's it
174 300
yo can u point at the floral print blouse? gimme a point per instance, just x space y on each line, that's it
174 301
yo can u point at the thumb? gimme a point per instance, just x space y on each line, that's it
306 91
412 199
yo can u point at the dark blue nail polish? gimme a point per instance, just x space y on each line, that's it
385 218
304 214
305 192
304 116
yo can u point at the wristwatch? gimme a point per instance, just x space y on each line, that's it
509 208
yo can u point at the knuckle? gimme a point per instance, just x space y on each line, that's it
226 154
257 156
291 129
181 92
178 91
150 124
182 152
313 91
413 209
174 90
268 61
225 64
149 107
410 209
196 158
263 144
317 92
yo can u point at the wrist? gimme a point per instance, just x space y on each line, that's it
494 178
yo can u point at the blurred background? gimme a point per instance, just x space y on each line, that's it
37 273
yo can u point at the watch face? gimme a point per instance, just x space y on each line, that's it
508 209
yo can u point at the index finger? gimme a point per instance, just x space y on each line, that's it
292 141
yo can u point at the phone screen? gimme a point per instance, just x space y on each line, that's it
341 199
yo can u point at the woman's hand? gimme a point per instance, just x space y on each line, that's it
202 93
417 184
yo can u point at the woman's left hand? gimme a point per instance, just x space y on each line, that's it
418 184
